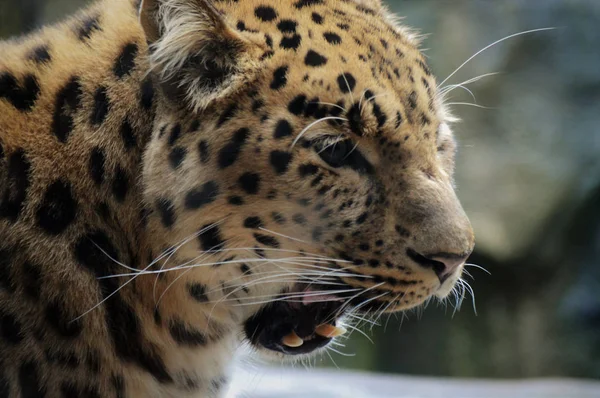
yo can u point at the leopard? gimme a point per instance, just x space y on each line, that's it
183 180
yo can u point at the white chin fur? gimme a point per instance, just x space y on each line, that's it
446 288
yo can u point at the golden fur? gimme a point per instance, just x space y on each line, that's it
198 153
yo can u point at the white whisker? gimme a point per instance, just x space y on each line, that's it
489 46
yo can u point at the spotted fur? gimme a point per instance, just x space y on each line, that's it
222 136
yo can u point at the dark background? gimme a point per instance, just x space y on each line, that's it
528 174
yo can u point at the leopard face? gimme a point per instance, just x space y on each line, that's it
300 167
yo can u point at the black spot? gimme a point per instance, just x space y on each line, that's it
10 329
120 185
175 134
253 222
279 78
101 106
299 219
424 67
210 238
176 156
203 151
398 119
21 97
15 192
245 269
265 13
88 26
241 26
266 240
403 232
312 109
290 42
361 219
66 104
57 209
332 38
126 60
346 83
379 114
283 129
308 170
29 381
317 18
317 234
166 211
230 152
127 135
266 55
249 182
147 93
62 321
314 59
32 279
280 160
343 26
412 100
198 292
287 26
96 165
194 126
40 55
185 335
307 3
235 200
355 120
257 104
297 105
201 196
278 217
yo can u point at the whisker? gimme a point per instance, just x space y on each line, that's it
478 267
491 45
339 352
334 105
358 330
470 104
282 235
323 119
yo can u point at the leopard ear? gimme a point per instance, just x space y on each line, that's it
196 56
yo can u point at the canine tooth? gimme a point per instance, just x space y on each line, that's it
292 340
327 330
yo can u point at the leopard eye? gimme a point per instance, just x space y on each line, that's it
334 154
342 153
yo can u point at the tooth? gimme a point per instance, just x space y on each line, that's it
327 330
292 340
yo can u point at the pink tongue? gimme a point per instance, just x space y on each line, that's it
318 298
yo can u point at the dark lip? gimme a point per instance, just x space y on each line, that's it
267 327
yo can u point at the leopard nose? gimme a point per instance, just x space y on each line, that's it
443 264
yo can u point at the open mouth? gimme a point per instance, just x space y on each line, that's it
296 326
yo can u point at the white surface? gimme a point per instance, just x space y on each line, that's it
287 383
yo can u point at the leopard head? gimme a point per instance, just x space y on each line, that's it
301 166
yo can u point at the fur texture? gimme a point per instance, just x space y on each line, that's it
246 147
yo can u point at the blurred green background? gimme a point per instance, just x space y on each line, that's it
528 174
